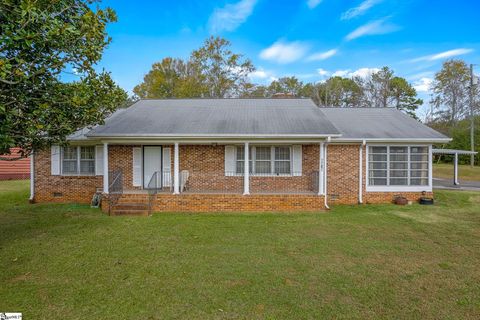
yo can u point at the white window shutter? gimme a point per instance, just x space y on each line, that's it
297 160
137 167
55 160
99 160
230 160
167 170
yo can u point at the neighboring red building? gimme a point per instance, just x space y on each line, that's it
17 169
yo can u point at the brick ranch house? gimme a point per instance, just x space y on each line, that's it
200 155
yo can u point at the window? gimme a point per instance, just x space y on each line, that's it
398 166
265 160
78 160
282 160
69 164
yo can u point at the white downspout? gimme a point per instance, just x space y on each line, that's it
32 178
326 173
321 172
360 174
105 168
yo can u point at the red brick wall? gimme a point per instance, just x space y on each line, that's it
121 157
206 167
229 203
343 175
50 188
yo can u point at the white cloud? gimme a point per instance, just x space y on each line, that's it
372 28
444 55
358 11
260 74
231 16
322 55
423 84
362 73
284 52
313 3
323 72
263 76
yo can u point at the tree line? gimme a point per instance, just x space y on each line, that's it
214 71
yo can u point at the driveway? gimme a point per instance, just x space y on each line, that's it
440 183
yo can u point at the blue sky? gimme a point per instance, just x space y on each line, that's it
311 39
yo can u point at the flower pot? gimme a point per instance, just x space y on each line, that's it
426 201
401 201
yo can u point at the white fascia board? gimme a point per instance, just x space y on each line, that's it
392 140
210 141
213 136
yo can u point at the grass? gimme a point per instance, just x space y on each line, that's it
465 172
382 261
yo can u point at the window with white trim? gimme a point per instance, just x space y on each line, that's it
398 166
78 160
265 160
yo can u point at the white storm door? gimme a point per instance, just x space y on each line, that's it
152 162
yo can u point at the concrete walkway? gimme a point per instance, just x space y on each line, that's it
440 183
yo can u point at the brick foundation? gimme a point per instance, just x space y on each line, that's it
227 202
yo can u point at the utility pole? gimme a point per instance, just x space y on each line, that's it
472 119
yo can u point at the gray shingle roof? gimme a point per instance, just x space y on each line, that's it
218 117
258 117
378 123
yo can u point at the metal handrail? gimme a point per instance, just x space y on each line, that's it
115 188
153 187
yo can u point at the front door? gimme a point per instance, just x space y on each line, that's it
152 162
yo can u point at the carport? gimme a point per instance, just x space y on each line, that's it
455 161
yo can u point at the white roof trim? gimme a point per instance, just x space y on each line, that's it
452 151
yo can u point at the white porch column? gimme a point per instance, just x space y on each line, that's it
176 168
246 174
105 167
320 170
455 170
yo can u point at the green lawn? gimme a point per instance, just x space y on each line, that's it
73 262
465 172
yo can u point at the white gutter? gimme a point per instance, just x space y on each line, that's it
32 177
400 140
326 173
203 136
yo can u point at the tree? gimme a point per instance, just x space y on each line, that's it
40 41
212 71
404 96
222 72
450 91
171 78
338 92
288 85
382 89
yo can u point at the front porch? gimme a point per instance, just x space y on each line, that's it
186 177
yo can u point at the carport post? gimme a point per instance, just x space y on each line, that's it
455 170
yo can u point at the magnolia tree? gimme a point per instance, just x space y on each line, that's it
41 43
